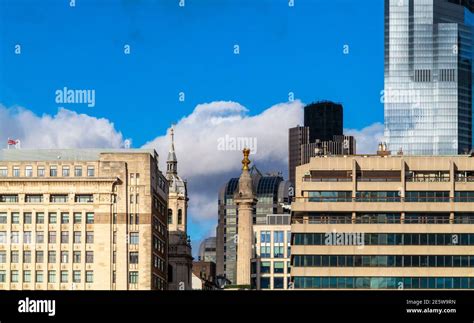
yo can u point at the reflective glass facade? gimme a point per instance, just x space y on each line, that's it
428 76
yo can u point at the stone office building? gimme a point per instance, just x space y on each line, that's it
384 222
82 219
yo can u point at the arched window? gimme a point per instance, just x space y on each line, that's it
170 216
180 216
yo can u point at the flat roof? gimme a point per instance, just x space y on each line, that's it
64 154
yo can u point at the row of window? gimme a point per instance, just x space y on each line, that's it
384 282
39 276
40 237
382 261
278 252
52 257
40 218
389 218
180 216
266 267
389 196
53 198
41 171
419 239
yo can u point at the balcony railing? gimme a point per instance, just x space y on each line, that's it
312 179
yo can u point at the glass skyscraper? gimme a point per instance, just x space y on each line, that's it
428 76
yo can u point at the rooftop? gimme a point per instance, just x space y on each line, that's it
64 154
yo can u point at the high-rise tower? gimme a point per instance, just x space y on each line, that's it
428 76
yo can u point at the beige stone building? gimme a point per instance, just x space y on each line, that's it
82 219
180 255
384 222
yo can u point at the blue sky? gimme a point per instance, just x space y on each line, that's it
191 49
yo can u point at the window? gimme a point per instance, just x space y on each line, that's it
14 276
278 282
78 171
64 236
52 218
40 171
51 276
64 218
330 196
3 218
278 237
89 218
3 257
134 257
89 276
27 237
12 198
51 257
89 257
77 257
378 196
53 171
133 277
64 276
77 236
3 237
180 216
265 283
89 236
34 198
15 258
39 237
16 171
27 218
39 256
76 274
15 217
39 276
15 237
65 171
427 196
3 276
64 257
52 237
265 237
29 171
77 218
39 218
278 267
278 251
84 198
90 171
3 172
170 216
134 239
58 198
265 251
137 219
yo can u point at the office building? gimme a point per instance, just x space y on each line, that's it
179 253
272 193
207 250
428 76
271 253
204 275
82 219
324 120
322 134
384 222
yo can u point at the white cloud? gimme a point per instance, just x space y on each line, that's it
367 138
207 168
66 129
